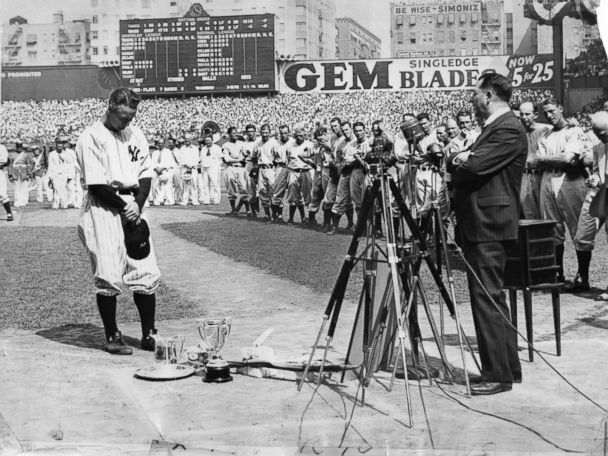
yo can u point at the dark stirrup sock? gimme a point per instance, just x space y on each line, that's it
146 305
107 311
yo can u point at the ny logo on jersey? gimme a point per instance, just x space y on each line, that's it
134 153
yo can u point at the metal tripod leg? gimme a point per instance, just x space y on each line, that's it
448 269
337 296
391 250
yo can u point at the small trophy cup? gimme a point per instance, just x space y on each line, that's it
214 332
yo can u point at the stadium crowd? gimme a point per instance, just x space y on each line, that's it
590 62
39 121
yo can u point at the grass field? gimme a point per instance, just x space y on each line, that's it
47 281
46 278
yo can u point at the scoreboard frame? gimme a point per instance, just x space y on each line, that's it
218 55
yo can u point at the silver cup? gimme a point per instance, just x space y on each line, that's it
214 332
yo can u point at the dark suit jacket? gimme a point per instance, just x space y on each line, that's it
487 185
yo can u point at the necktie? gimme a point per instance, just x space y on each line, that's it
208 151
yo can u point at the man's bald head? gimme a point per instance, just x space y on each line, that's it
599 123
527 114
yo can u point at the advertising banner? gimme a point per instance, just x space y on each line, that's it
440 73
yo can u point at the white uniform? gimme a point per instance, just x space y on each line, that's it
164 165
561 196
188 162
60 170
209 190
41 179
265 153
234 174
3 175
118 159
22 172
74 186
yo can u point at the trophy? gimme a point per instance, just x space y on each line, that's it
214 332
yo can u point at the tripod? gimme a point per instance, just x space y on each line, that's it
400 285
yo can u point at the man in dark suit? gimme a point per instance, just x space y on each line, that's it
487 181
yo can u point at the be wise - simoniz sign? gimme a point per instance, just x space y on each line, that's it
440 73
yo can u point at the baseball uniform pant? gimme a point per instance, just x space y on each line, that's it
530 195
209 191
22 192
60 192
357 187
189 191
319 186
3 187
100 230
235 182
281 183
587 226
343 199
163 193
562 200
177 184
266 186
252 186
299 188
42 189
330 194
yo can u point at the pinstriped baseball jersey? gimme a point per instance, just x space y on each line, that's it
265 152
118 159
295 151
281 156
566 140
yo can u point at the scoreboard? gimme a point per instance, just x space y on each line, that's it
219 54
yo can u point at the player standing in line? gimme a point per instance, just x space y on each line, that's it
345 160
74 187
234 174
21 173
59 172
361 147
323 160
281 180
562 153
209 183
39 171
164 165
299 164
189 159
249 146
4 199
117 170
263 157
530 184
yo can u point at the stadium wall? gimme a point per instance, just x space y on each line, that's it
58 82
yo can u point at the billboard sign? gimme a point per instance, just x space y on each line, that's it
442 73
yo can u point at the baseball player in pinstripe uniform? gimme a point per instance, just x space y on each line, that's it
263 157
249 146
299 163
235 178
563 152
345 158
281 180
530 184
4 163
117 171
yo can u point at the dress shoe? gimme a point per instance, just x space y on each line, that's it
116 346
488 388
475 379
579 284
517 377
147 343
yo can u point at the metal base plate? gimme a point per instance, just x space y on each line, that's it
162 372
